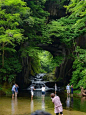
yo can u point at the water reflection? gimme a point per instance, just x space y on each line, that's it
14 105
32 106
72 101
25 106
68 102
43 105
37 93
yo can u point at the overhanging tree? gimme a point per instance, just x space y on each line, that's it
13 15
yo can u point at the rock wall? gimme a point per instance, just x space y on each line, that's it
64 71
55 8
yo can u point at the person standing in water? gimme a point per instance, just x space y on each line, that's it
57 103
68 90
32 93
55 88
13 90
43 91
71 90
16 90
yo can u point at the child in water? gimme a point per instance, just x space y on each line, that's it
57 103
16 90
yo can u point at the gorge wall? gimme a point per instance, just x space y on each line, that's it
64 71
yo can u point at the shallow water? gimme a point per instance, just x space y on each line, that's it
23 105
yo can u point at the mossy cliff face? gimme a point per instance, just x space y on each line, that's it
55 8
49 77
64 71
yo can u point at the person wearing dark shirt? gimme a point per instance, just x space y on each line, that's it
71 90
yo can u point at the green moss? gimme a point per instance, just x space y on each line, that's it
49 77
77 91
6 89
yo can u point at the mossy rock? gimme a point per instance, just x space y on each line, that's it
49 77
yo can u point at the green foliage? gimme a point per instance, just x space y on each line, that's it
79 66
13 15
6 89
77 8
49 77
48 63
57 60
26 24
77 92
45 60
66 28
36 32
70 27
33 54
10 70
41 61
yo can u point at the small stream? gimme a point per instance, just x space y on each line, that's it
23 105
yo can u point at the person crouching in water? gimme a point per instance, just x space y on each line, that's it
16 90
57 103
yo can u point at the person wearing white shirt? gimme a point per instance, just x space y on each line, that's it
32 93
55 88
68 90
43 91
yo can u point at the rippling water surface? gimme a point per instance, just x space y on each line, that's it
23 105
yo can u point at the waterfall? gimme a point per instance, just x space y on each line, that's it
38 82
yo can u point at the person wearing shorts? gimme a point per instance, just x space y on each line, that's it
32 93
68 90
43 92
13 90
57 103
